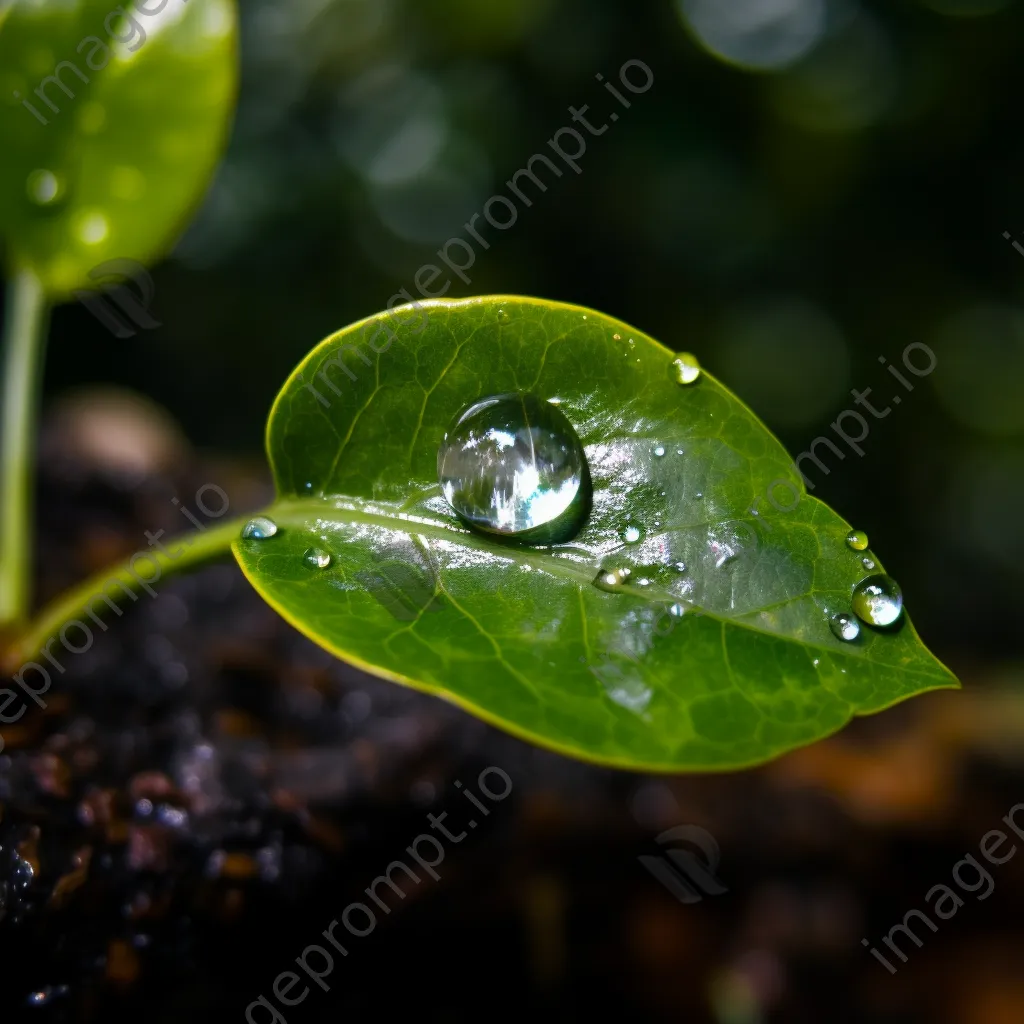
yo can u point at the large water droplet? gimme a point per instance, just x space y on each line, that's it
512 465
878 600
684 369
845 627
259 528
317 558
857 539
43 187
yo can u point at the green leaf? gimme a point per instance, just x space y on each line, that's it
133 129
520 635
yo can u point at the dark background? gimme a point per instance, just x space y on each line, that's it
790 223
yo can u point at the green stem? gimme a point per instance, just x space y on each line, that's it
113 586
24 341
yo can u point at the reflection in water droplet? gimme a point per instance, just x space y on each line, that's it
259 528
680 566
512 464
878 600
612 580
659 451
617 337
632 533
502 315
677 611
43 187
92 227
857 539
684 369
845 627
622 682
317 558
630 693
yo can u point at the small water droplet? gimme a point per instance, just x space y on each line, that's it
632 534
845 627
817 661
612 580
659 451
617 337
511 465
502 315
680 567
684 369
679 451
316 558
92 227
43 187
259 528
878 600
857 539
677 611
868 563
643 582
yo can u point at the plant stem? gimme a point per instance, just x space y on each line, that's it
115 585
24 342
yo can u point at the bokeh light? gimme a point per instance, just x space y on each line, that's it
847 83
980 368
758 34
786 358
967 8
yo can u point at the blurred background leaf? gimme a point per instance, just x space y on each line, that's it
112 125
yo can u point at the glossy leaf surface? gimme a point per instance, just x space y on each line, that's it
136 112
716 652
